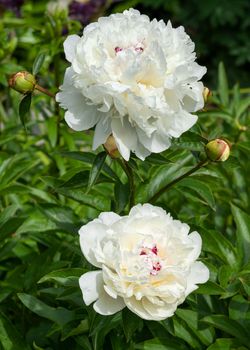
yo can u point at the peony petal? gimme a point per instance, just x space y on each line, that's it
90 237
102 132
125 136
91 284
158 312
137 307
195 239
199 273
70 46
155 143
109 218
80 115
182 122
106 305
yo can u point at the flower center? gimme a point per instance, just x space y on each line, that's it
138 48
151 259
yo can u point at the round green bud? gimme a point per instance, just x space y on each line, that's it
23 82
217 150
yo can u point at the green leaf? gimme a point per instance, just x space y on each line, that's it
52 130
187 334
131 323
242 107
87 157
200 188
24 108
223 85
83 327
210 288
231 327
226 344
242 221
38 63
66 277
96 169
59 315
191 319
7 213
161 344
10 339
239 310
122 195
95 201
162 175
217 244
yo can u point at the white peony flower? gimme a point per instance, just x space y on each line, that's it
147 262
133 78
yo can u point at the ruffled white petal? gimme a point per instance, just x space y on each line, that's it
91 284
90 238
109 218
70 46
80 115
199 273
106 305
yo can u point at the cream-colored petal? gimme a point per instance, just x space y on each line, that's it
91 284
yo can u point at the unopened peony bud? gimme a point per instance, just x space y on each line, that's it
218 150
206 94
23 82
111 147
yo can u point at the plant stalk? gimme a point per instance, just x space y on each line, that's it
44 91
130 177
172 183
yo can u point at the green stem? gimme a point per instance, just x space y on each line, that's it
44 91
172 183
130 176
57 83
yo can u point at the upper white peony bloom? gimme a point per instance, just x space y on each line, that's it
147 262
134 78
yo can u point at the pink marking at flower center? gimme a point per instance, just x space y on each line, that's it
139 49
136 48
118 49
156 268
150 259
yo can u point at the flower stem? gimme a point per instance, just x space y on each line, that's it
125 166
172 183
44 91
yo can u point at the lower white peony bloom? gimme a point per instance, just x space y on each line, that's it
134 78
147 262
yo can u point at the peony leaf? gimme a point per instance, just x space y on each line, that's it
52 130
131 323
59 315
226 344
231 327
10 338
223 85
217 244
122 195
24 108
242 221
200 188
210 288
38 63
65 277
96 169
87 157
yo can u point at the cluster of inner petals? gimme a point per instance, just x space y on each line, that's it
150 259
